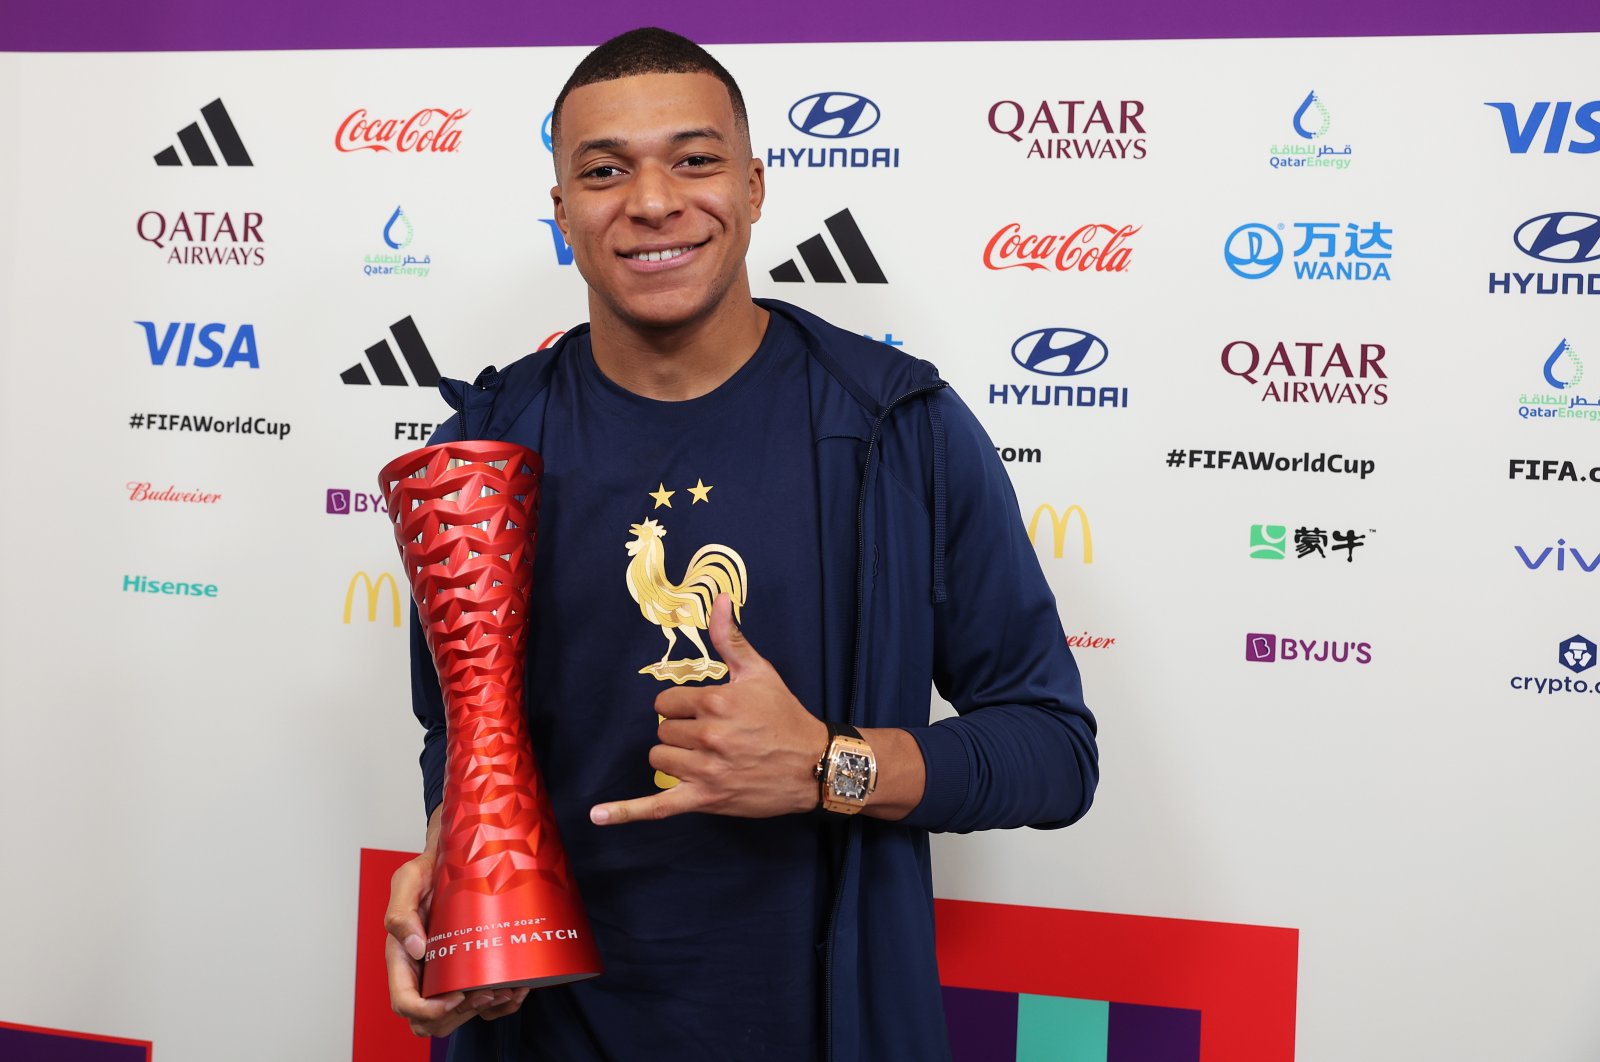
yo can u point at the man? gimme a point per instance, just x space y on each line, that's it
711 458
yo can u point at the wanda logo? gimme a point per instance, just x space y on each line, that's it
1097 248
431 129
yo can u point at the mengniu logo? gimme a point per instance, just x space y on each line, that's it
1059 352
1311 122
1315 373
563 248
1563 372
835 116
432 130
198 150
821 263
149 584
1522 128
381 357
176 341
343 501
1072 129
1271 542
1278 648
1534 558
1059 522
1577 655
1564 238
205 237
398 232
1254 251
374 590
1093 247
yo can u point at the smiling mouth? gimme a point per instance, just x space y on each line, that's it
663 255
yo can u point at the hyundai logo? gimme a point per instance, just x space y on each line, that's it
1565 236
1059 352
1247 254
834 115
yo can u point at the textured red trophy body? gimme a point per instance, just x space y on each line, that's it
505 908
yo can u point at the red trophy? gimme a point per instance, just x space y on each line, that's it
505 909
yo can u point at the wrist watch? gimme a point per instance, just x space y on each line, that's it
848 771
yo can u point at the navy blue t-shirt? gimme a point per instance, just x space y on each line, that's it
708 926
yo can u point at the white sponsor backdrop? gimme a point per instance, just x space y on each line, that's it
188 780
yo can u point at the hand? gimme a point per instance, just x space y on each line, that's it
410 892
747 748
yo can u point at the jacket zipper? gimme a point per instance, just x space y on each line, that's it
855 685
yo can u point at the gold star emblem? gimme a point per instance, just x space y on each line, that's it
700 491
662 495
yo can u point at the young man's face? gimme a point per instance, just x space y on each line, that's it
657 192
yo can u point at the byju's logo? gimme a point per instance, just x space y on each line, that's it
432 129
1091 131
563 248
1561 551
1317 373
398 232
1059 352
835 116
176 340
1563 371
204 237
1565 237
1278 648
1521 131
1088 247
822 265
1059 522
381 356
1271 542
1577 655
343 502
373 589
195 148
1254 251
1310 122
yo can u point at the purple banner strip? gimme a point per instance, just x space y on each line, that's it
205 25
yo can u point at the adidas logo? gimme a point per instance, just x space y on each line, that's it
821 264
381 358
198 150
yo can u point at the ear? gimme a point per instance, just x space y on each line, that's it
758 188
560 209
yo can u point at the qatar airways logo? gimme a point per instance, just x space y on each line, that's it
433 130
1088 248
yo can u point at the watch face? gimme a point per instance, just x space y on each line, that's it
850 774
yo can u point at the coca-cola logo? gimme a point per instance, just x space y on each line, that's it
432 129
1097 248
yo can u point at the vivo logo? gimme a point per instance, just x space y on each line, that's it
834 115
1520 132
1059 352
1562 236
1561 551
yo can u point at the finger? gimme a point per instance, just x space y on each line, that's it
730 642
405 995
403 918
510 1006
663 805
679 763
680 702
682 733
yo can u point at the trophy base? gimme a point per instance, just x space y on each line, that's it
530 982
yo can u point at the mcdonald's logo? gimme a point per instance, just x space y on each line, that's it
1058 525
373 589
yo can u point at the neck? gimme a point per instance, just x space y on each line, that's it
680 362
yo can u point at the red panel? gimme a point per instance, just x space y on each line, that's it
1241 978
380 1034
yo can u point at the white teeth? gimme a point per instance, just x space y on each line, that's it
657 256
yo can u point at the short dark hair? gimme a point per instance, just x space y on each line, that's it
648 50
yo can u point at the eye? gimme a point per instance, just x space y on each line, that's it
603 172
697 161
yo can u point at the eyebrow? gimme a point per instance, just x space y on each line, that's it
614 143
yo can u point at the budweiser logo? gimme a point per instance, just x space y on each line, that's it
1096 247
430 129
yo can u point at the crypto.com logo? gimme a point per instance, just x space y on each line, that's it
1253 251
834 115
1577 654
1560 236
1059 352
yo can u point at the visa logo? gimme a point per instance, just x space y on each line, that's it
177 342
563 248
1522 131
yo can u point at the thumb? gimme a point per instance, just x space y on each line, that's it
730 642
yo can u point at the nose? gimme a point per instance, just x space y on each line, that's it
653 196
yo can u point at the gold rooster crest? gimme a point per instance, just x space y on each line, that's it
685 606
